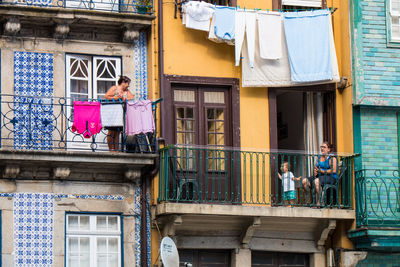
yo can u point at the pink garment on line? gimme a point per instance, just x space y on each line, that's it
139 117
86 118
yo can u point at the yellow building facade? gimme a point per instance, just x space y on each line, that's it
219 193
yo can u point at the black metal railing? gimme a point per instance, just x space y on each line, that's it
377 198
45 123
234 176
119 6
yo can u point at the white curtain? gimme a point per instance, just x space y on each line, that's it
313 125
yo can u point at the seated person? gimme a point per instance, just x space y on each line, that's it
324 171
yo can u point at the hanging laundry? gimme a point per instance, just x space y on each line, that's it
335 67
225 22
198 15
270 34
184 13
276 73
112 115
307 39
214 38
86 118
139 117
245 22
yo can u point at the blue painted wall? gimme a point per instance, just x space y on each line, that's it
380 259
379 143
376 65
376 85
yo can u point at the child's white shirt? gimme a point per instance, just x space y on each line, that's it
288 183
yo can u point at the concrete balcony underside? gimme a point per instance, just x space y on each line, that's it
299 229
74 166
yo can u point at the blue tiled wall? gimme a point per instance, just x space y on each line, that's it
379 145
376 66
380 259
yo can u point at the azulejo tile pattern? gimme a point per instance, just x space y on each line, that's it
33 229
34 2
140 60
148 231
138 224
99 197
137 212
33 225
33 76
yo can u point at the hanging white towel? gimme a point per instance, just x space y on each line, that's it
245 22
112 115
335 67
270 34
240 26
184 13
198 15
276 73
251 35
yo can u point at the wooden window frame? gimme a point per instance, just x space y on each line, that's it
92 234
168 118
277 4
231 3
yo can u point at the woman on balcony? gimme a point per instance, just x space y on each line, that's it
117 92
324 171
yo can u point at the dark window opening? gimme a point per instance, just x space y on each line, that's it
278 259
204 258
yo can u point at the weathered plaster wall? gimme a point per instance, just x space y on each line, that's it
92 197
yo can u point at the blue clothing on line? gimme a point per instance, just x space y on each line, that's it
225 22
307 38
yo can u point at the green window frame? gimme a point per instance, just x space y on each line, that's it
392 23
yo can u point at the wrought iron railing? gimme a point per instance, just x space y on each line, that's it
45 123
119 6
233 176
377 198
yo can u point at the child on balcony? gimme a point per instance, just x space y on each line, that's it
289 191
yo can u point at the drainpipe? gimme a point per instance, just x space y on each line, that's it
143 229
161 61
150 175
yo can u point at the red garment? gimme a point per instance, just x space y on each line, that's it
87 119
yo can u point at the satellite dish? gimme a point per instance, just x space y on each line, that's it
169 253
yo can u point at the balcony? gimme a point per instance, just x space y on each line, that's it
116 6
38 141
97 20
236 198
377 210
377 198
229 176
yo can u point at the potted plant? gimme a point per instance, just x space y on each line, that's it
143 6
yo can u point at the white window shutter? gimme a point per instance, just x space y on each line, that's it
305 3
